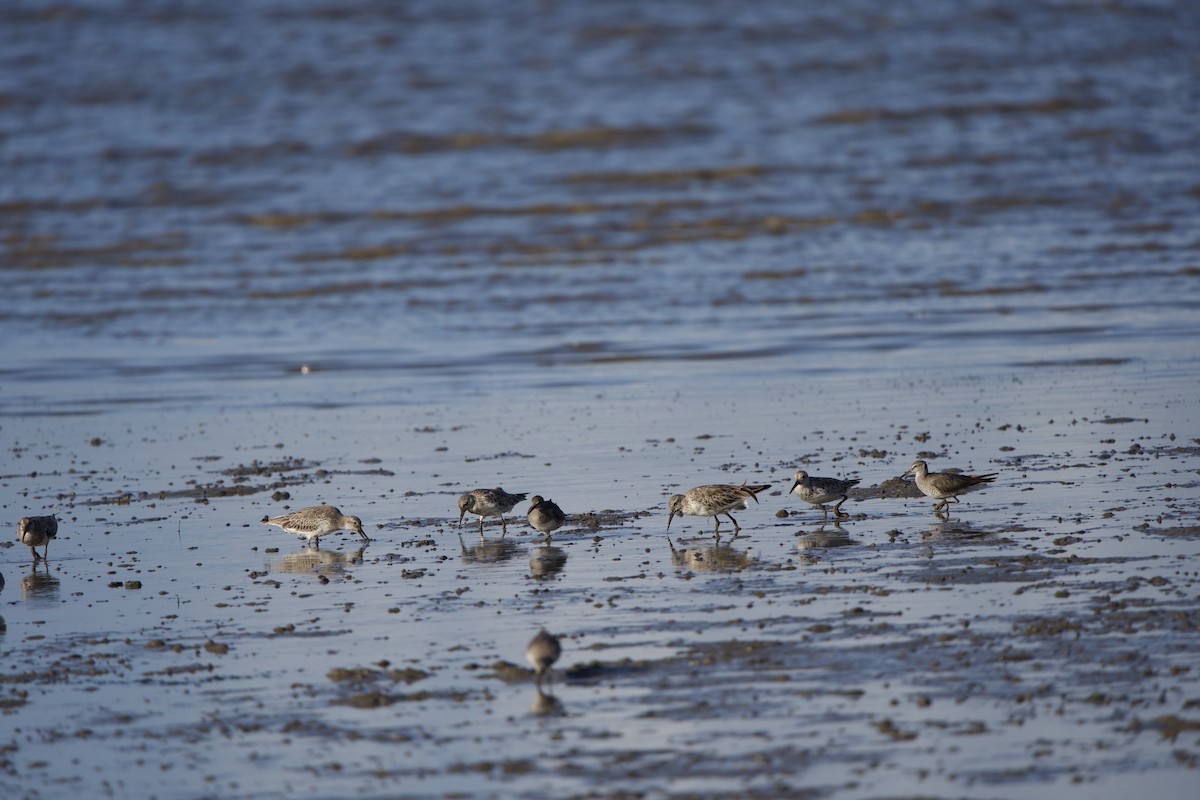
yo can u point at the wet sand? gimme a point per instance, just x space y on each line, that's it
378 256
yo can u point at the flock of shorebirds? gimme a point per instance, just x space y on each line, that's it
545 516
711 500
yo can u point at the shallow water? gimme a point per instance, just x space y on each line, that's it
260 256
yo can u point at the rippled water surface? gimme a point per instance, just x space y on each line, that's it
258 256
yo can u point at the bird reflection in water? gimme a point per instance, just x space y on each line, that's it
953 530
489 551
546 562
546 705
39 584
710 558
811 544
824 536
322 562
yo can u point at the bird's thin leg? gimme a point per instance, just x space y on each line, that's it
736 527
824 512
837 510
35 555
717 529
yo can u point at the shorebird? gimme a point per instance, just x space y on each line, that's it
545 515
315 521
37 531
945 486
543 650
819 491
488 503
711 500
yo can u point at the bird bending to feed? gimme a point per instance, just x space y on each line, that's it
709 501
488 503
820 491
37 531
545 515
945 486
543 650
315 521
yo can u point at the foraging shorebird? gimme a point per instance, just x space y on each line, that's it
711 500
545 515
543 650
36 532
945 486
488 503
819 491
316 521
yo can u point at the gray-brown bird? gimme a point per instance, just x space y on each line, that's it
543 650
819 491
714 499
544 515
488 503
316 521
945 486
36 532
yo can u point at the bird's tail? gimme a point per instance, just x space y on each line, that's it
751 492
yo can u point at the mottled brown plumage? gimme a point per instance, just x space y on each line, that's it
316 521
819 491
714 499
488 503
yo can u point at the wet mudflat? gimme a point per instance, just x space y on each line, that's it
258 257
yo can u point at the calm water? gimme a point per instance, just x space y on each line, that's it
376 254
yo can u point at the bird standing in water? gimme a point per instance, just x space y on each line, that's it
543 650
714 499
819 491
488 503
36 532
545 515
316 521
945 486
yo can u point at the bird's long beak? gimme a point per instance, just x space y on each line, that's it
669 518
792 488
461 514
